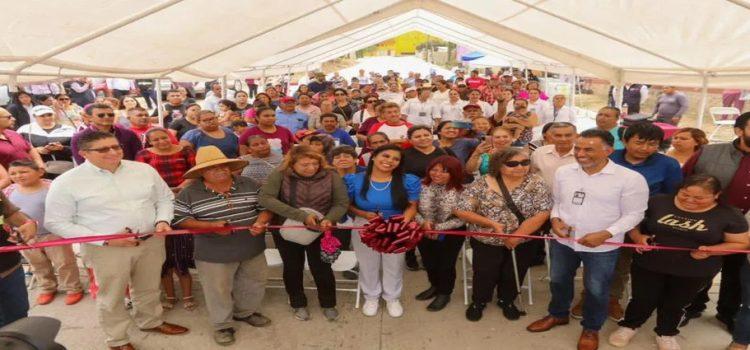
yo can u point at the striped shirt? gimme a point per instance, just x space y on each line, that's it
240 208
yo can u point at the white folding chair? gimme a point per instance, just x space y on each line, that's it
345 262
721 117
466 261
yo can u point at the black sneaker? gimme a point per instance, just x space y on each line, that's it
474 312
350 275
441 300
427 294
510 311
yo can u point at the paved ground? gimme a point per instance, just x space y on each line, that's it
417 329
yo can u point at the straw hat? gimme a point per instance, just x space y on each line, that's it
209 156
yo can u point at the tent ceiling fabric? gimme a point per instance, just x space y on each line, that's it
622 41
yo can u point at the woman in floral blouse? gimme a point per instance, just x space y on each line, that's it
439 198
486 209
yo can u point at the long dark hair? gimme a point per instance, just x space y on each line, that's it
398 191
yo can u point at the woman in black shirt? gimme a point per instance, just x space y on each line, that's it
667 281
189 122
422 152
342 105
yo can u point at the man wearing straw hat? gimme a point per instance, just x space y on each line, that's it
107 195
231 265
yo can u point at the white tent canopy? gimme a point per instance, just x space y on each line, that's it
680 42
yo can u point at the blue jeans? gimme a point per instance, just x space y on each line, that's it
598 269
14 300
742 322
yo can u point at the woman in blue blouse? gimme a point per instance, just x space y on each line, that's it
382 190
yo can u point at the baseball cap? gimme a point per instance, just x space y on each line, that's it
287 99
471 105
301 134
41 110
411 88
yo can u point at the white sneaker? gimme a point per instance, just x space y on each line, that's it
667 343
370 308
394 308
621 337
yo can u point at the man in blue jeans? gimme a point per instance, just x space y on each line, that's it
595 201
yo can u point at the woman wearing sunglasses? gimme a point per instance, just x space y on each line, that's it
68 113
342 106
368 111
508 200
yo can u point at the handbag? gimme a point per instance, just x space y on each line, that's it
301 236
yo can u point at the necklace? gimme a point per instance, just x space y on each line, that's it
372 184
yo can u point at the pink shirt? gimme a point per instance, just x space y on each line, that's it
13 147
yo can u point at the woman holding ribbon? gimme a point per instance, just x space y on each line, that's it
438 201
508 200
382 190
668 280
305 190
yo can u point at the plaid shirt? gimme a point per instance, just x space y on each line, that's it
171 167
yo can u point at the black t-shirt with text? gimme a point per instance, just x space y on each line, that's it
671 226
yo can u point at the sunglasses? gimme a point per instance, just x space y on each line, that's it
102 150
64 99
48 115
339 94
515 163
105 115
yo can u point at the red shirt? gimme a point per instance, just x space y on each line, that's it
281 138
171 167
13 147
475 83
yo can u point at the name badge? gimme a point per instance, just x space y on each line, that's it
578 197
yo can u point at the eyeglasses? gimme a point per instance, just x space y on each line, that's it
102 150
105 115
64 99
515 163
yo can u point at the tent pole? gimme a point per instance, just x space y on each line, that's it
546 78
224 87
571 92
159 111
13 83
288 80
525 73
262 81
704 100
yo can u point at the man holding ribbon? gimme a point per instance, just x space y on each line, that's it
107 195
619 196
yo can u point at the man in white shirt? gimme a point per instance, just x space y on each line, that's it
421 110
393 94
595 201
109 195
559 112
120 87
442 94
547 159
363 78
211 102
453 109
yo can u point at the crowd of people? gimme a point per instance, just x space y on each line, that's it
464 153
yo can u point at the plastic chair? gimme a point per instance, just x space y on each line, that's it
466 261
345 262
721 117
